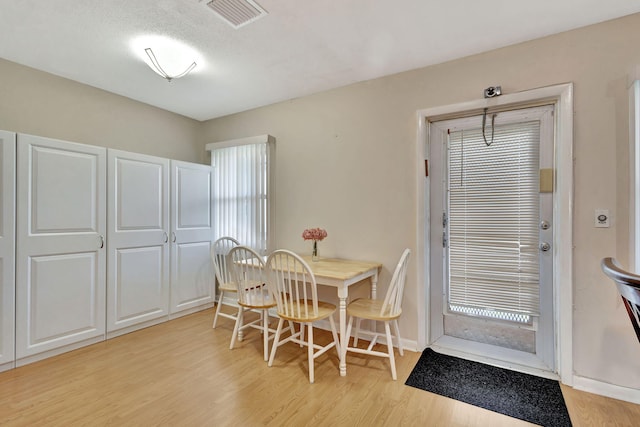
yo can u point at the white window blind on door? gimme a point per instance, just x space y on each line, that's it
493 216
241 193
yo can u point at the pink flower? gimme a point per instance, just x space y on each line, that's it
314 234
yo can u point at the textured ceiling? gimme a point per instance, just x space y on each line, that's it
300 47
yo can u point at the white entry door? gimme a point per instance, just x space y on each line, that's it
7 247
61 255
191 236
138 276
491 200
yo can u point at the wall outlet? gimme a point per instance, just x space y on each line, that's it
602 218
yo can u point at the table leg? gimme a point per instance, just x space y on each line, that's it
371 324
344 339
374 285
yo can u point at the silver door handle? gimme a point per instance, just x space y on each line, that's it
166 237
173 237
101 241
544 246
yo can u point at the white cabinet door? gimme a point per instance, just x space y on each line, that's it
138 261
60 261
7 247
191 235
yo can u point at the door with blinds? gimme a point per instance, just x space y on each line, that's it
491 210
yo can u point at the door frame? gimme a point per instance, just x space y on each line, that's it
7 249
562 97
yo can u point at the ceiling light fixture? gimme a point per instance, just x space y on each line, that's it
155 66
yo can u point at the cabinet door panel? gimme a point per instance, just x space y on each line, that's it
61 295
140 289
193 276
55 175
7 246
191 270
138 276
61 260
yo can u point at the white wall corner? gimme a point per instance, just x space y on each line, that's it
634 172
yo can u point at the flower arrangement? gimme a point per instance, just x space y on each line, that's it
316 234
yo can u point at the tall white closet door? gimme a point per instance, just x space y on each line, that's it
61 224
191 235
138 261
7 247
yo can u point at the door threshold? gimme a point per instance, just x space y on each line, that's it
493 355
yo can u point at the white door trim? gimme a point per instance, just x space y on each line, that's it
562 96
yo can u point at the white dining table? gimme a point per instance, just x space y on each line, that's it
340 274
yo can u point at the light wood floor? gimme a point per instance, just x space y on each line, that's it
182 373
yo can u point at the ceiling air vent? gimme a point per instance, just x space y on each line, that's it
237 12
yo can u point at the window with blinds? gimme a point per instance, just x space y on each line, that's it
241 193
493 218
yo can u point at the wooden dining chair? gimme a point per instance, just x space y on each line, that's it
628 285
248 273
294 286
219 254
387 311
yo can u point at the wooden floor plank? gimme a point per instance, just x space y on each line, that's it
182 373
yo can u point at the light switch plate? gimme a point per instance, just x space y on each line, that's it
601 218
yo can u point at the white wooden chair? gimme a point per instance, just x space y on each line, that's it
248 274
387 311
294 287
219 253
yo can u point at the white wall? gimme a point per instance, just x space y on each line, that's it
345 162
42 104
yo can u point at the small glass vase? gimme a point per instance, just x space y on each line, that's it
314 252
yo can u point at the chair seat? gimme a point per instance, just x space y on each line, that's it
325 310
258 301
366 308
227 287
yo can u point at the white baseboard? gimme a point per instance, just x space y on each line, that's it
409 345
605 389
56 351
191 310
128 329
7 366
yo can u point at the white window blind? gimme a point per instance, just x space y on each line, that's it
241 191
493 217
